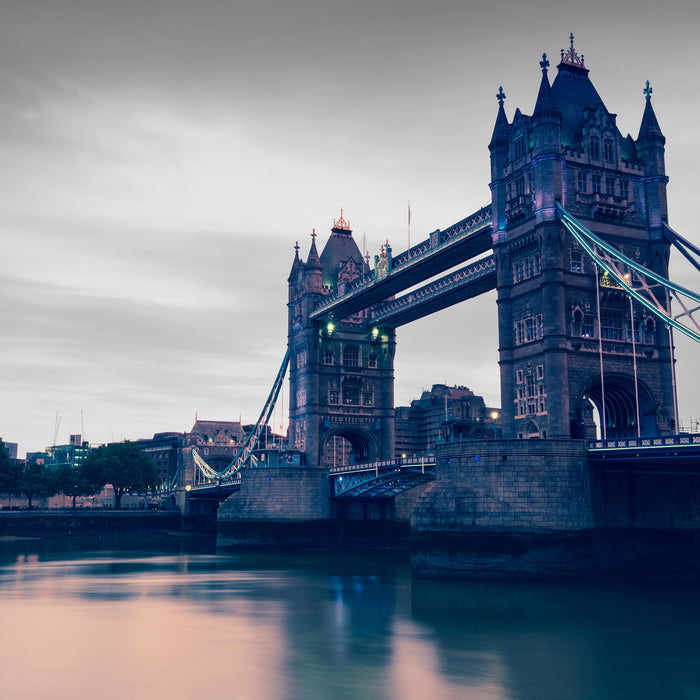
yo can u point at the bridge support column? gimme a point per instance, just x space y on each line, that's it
275 506
500 509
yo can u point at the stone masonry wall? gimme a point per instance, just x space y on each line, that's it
279 494
508 485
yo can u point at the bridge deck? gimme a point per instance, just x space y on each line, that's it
438 253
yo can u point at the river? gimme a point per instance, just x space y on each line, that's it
187 622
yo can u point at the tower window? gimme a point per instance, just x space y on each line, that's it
328 356
649 331
351 393
351 356
623 187
608 150
595 148
529 329
517 272
576 261
519 148
611 324
581 181
536 265
610 186
595 182
372 360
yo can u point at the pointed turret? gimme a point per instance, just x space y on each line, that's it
296 264
546 119
546 147
650 147
501 130
500 141
650 129
340 252
313 261
313 273
546 105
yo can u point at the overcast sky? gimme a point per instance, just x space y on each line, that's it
160 158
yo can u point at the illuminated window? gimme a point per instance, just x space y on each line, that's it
576 261
351 394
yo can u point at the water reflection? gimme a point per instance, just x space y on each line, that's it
183 624
593 641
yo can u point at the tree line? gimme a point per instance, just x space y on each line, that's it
121 464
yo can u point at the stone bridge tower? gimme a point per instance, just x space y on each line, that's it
565 333
341 406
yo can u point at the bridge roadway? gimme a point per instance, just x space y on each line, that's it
666 454
441 251
670 454
382 479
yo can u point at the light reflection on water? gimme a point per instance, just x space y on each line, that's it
150 624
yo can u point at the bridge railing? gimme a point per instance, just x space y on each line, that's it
415 461
645 442
214 484
439 239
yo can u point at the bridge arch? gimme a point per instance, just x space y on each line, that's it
621 399
356 445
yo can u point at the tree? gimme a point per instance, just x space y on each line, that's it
9 472
124 466
35 481
72 482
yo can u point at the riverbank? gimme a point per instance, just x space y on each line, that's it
60 524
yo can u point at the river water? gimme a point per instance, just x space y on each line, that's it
188 622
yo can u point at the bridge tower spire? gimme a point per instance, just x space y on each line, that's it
565 333
341 403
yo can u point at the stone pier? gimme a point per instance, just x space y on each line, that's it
507 508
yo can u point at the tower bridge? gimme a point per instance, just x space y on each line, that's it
576 243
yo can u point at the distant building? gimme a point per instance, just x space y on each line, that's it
442 414
10 448
165 450
216 441
73 453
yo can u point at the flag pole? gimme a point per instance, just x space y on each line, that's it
409 223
